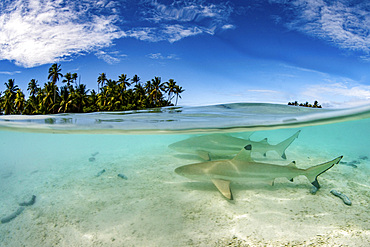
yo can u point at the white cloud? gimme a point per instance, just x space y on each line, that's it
228 26
188 11
171 33
304 69
176 32
346 24
9 72
110 57
145 34
339 94
264 91
155 55
38 32
182 19
159 56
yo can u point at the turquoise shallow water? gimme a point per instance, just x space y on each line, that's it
60 159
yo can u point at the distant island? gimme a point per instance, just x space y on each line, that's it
315 104
74 97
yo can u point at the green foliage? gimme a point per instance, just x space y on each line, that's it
121 95
315 104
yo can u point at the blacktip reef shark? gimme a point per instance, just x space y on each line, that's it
242 168
224 145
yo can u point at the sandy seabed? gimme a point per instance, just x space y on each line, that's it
156 207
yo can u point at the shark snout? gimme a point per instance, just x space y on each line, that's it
179 170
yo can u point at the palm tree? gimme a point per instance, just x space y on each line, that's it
11 87
101 100
111 93
80 96
139 93
1 103
101 80
115 95
106 99
33 87
8 103
68 79
156 89
170 87
54 74
178 91
9 97
149 98
135 79
148 87
19 102
124 81
66 99
129 98
316 104
92 102
74 78
48 94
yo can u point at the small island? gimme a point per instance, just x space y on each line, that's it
314 105
73 96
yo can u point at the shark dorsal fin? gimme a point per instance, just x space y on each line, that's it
224 187
292 164
204 154
244 154
264 141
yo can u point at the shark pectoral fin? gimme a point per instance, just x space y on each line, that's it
224 187
204 154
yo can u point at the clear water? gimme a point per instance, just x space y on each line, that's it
58 159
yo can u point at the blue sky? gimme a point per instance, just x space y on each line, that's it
219 51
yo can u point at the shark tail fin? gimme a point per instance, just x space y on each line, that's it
282 146
313 172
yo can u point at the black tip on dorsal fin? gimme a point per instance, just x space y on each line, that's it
292 164
264 140
248 147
